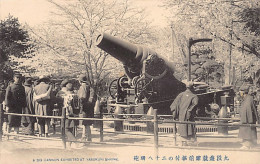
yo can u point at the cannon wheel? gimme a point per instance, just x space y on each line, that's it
144 88
113 88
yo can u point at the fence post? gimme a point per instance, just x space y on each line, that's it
1 121
101 125
150 125
97 109
63 120
119 125
155 132
174 132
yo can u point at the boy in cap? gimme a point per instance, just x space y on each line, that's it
184 108
15 100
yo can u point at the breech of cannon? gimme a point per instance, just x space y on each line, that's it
157 83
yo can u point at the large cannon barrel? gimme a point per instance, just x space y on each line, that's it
119 49
157 82
131 55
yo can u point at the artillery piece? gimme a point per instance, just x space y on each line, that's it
148 76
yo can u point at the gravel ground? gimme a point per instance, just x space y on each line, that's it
133 147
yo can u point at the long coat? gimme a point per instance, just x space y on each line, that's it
43 107
86 103
183 108
248 116
15 100
29 109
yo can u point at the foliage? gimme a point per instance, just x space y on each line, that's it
251 17
204 66
14 42
69 38
222 21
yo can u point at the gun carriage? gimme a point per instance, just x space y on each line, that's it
149 79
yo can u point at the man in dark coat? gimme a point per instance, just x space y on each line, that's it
86 101
184 108
28 122
43 107
15 100
248 115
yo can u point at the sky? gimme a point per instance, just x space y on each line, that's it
35 12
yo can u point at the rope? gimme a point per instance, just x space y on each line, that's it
32 115
160 121
203 123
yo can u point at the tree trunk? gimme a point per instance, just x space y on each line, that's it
1 69
226 73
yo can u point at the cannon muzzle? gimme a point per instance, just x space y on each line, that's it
119 49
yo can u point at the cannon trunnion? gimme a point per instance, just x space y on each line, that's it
149 78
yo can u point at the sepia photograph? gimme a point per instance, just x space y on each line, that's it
129 81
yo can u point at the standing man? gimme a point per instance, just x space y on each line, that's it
15 100
248 115
43 104
28 122
184 109
86 101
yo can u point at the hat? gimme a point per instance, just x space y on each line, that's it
43 77
244 88
189 84
69 86
28 81
64 82
82 78
18 75
36 82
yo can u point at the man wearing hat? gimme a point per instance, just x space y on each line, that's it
248 115
28 122
15 100
184 109
43 106
86 101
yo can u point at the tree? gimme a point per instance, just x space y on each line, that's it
71 34
218 20
250 16
204 66
14 42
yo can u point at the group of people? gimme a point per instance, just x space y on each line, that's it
41 98
185 105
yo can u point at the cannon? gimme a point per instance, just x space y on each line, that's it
149 78
147 74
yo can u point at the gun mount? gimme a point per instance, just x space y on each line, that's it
148 74
149 78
